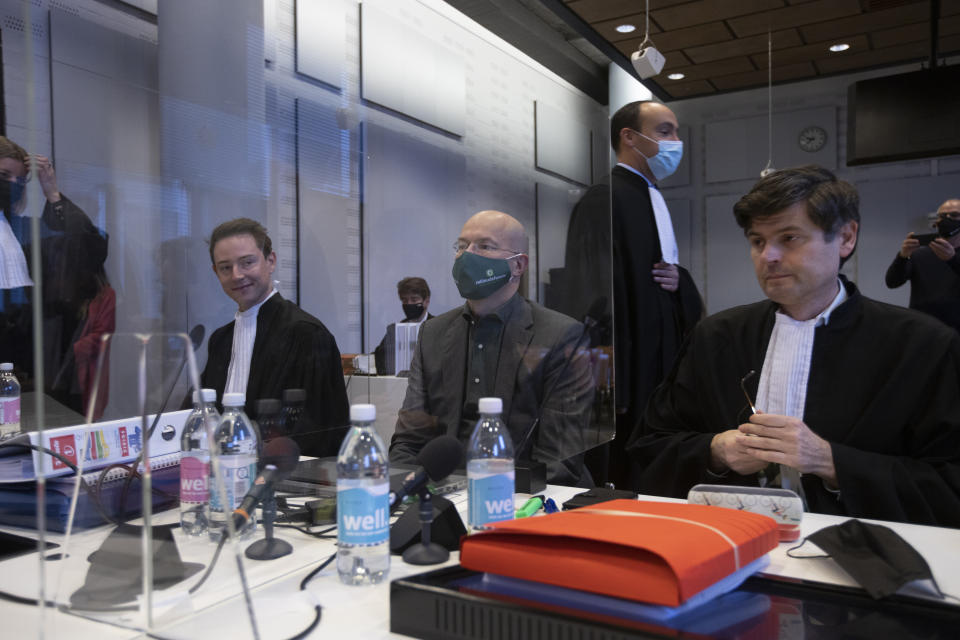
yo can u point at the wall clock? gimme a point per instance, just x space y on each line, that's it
812 138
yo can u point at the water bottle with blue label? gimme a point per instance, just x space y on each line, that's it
238 442
490 471
363 502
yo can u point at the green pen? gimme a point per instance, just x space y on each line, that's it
530 507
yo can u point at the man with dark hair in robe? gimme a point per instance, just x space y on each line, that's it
856 401
272 345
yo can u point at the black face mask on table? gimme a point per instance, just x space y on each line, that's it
875 556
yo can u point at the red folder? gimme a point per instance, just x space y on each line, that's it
655 552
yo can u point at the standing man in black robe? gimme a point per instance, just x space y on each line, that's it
856 400
655 301
272 344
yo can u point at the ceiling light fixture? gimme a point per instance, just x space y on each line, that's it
676 76
626 28
836 48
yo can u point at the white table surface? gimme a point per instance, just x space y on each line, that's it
359 612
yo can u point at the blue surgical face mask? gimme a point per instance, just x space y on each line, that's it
665 163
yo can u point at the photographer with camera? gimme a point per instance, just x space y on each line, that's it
931 262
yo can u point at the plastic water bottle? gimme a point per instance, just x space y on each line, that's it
238 443
9 401
363 502
195 464
490 470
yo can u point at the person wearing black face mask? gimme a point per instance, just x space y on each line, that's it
499 344
78 303
933 270
414 294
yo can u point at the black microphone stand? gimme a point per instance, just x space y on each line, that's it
426 552
269 548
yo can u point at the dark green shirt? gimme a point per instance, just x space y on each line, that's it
484 341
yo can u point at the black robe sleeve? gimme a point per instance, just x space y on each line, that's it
898 272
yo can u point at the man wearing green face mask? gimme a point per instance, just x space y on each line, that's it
499 344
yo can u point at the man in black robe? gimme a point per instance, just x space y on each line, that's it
655 301
272 345
872 424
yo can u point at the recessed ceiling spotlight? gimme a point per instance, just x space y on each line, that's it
626 28
836 48
676 76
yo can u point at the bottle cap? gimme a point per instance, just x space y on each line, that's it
490 405
234 399
6 366
363 413
209 395
266 407
293 396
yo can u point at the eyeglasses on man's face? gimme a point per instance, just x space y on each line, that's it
482 247
953 215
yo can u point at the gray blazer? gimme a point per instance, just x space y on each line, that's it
536 345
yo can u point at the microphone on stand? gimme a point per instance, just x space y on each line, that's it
437 460
280 457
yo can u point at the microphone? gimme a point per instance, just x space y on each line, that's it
280 458
437 460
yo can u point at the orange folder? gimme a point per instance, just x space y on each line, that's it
655 552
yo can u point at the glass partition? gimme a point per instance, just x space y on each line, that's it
363 137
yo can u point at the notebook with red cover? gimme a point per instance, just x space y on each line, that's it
655 552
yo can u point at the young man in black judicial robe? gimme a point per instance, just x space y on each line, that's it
291 348
879 434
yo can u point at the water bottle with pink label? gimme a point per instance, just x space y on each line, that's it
9 401
195 464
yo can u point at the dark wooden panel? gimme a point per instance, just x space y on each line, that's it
793 16
608 28
913 33
814 51
702 11
759 78
694 36
891 55
871 21
710 69
597 10
683 89
743 46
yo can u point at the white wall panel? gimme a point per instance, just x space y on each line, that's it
554 205
563 143
737 149
406 69
329 236
730 278
413 194
321 41
888 210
